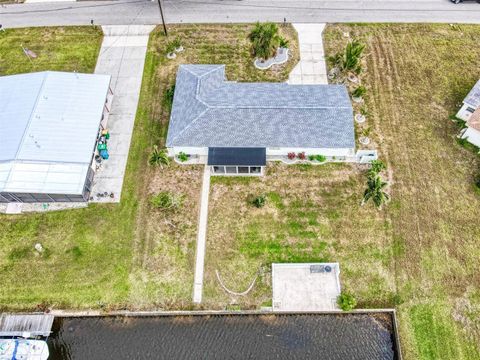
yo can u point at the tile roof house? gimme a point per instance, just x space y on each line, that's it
470 113
214 118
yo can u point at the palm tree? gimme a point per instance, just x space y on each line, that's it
158 157
374 191
265 40
353 53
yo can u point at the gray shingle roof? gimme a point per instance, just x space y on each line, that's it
209 111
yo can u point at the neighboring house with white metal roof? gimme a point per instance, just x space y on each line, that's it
215 120
49 126
470 113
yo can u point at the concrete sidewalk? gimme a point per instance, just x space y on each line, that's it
122 56
311 69
201 238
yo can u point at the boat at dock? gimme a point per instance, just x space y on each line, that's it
23 349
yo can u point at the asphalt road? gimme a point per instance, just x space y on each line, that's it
223 11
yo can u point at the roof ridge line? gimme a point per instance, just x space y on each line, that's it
277 107
191 122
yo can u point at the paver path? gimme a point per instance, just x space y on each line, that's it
311 69
122 56
201 238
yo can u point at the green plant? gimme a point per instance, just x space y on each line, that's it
167 100
158 157
359 92
346 301
363 111
376 166
353 54
350 59
320 158
283 42
265 39
258 201
176 43
311 157
375 191
170 48
182 156
366 131
167 200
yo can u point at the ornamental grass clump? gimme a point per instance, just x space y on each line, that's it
265 40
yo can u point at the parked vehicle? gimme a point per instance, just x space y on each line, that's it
460 1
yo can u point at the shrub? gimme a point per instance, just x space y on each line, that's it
359 92
283 42
346 301
291 155
158 157
311 157
182 156
170 47
301 155
265 40
320 158
259 201
350 59
167 200
168 97
376 166
176 43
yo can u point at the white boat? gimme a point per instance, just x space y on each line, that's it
23 349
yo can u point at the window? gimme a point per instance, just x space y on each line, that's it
255 170
243 169
470 109
219 169
231 169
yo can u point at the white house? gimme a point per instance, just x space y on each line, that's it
236 127
49 126
470 113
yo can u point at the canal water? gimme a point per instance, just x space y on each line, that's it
317 336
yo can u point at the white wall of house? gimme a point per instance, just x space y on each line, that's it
310 151
271 152
472 135
465 112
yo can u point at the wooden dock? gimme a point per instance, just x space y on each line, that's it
30 325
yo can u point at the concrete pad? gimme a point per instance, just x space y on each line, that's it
305 287
122 56
312 66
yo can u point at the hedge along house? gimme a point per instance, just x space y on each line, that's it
49 126
470 113
237 127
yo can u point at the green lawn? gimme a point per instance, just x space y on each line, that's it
126 255
421 253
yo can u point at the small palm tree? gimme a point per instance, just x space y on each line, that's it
265 40
374 191
353 54
158 157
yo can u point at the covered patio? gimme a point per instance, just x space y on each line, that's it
236 161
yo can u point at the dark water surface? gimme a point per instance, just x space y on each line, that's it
323 337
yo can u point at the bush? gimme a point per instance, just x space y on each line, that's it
311 157
346 301
301 155
158 157
259 201
359 92
265 40
283 42
350 59
320 158
167 200
291 155
182 156
170 47
376 166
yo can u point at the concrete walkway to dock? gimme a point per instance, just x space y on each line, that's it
122 56
201 238
311 69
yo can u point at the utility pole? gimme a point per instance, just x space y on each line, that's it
163 19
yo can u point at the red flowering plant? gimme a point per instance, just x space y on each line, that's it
291 155
301 156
